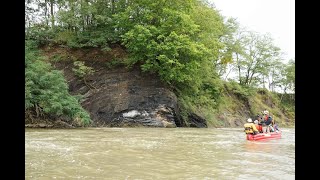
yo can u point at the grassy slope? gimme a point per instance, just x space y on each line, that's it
234 109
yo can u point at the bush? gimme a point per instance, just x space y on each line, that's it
41 34
82 70
65 37
240 91
47 90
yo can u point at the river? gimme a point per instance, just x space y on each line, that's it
156 153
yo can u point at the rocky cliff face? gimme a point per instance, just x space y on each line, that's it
121 97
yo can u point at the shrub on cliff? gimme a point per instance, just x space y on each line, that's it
46 90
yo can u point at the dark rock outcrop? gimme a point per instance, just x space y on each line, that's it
197 121
119 97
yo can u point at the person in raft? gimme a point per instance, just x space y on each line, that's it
258 126
250 128
267 121
275 126
260 122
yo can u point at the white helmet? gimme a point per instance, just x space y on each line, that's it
255 121
265 112
249 120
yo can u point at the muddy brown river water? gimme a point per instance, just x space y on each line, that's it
156 153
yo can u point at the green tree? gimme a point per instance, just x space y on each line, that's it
254 56
288 82
274 74
231 48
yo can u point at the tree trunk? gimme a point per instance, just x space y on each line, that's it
284 92
52 15
112 7
250 78
231 69
46 15
238 68
87 19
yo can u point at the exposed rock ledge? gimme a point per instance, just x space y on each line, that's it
120 97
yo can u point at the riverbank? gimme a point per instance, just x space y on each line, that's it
116 96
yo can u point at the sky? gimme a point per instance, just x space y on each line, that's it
276 17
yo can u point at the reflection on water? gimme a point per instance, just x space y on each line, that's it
156 153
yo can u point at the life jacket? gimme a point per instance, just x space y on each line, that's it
269 120
248 128
259 127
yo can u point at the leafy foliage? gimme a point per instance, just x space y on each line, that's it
289 74
41 34
174 57
47 90
116 62
186 42
82 70
240 91
171 38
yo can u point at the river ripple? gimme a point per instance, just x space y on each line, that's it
156 153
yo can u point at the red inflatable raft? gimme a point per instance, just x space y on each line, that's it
264 136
